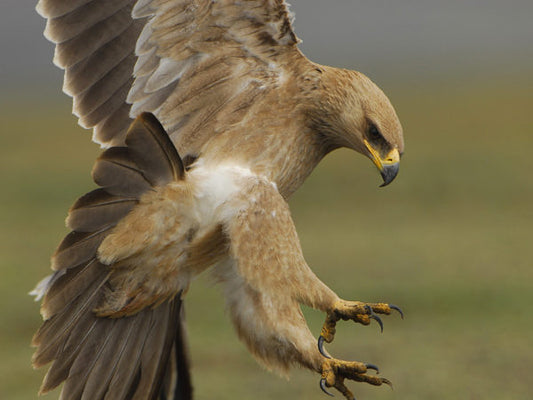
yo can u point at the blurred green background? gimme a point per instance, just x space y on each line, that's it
450 241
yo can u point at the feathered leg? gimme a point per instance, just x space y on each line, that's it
267 279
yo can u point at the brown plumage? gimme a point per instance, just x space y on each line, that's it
223 85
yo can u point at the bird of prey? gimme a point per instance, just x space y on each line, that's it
210 117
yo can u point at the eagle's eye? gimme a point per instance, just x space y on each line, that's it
373 134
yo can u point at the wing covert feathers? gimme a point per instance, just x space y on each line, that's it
110 358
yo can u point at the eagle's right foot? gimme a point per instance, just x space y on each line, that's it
334 372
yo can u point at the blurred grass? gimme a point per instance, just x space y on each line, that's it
450 241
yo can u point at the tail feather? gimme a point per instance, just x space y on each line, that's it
183 386
60 368
86 359
125 379
178 381
110 358
158 349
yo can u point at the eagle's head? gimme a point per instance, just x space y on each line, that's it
352 111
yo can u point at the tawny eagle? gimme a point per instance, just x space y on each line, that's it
211 118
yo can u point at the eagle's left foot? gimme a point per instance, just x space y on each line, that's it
352 310
334 372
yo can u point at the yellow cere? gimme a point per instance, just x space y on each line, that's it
392 157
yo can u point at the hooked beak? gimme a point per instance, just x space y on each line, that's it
388 166
389 172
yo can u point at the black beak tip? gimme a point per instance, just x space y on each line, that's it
388 173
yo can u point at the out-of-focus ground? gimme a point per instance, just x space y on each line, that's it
450 240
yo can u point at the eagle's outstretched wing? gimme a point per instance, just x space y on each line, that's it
196 64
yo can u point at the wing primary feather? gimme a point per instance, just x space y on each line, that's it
109 106
108 86
57 8
82 46
110 131
86 73
72 24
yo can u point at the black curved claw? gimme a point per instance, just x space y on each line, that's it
323 387
321 341
378 320
372 366
393 307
